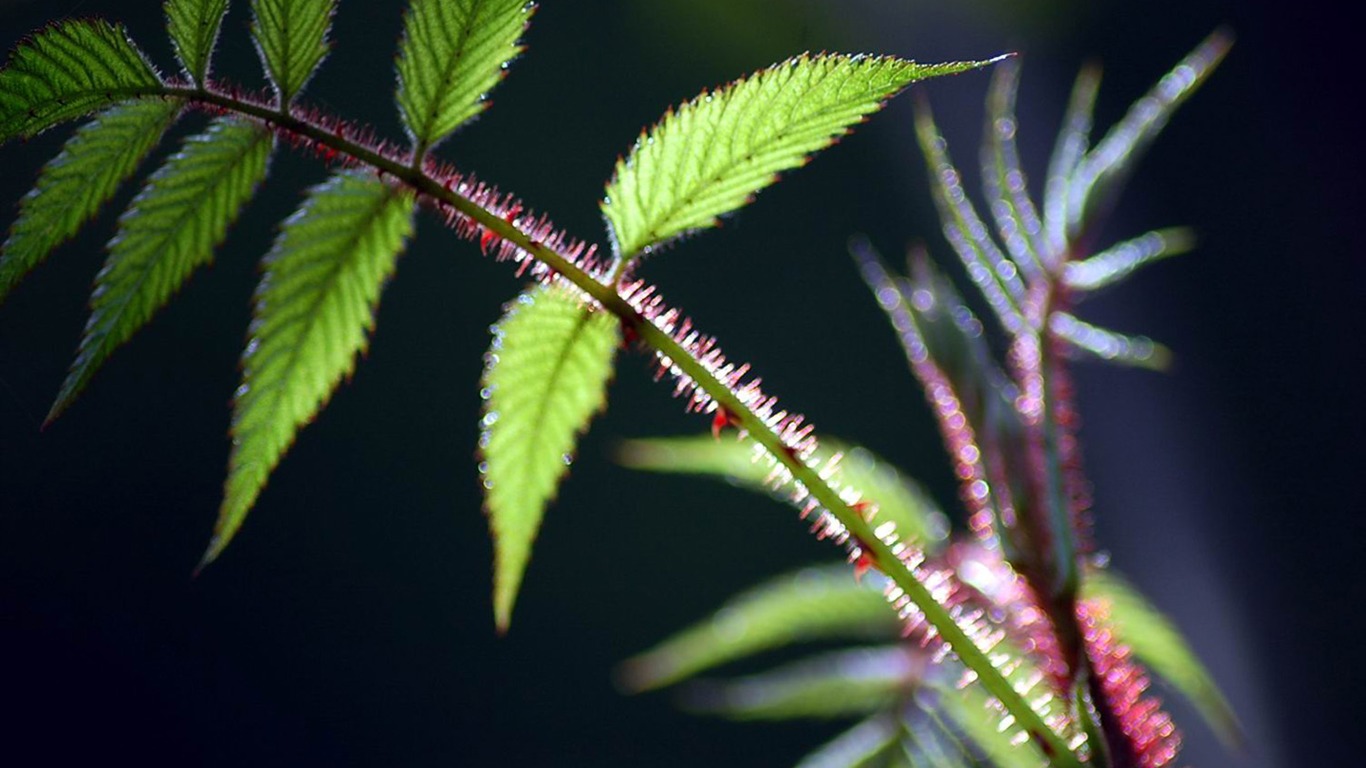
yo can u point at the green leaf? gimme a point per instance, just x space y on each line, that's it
452 53
69 70
546 376
898 498
838 684
715 152
811 604
1068 150
171 228
973 713
291 36
75 184
314 308
859 746
193 26
1003 178
1157 643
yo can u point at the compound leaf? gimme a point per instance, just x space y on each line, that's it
193 26
291 36
314 308
171 228
810 604
452 53
712 154
1159 645
74 185
897 497
68 70
546 376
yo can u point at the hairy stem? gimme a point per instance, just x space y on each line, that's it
605 294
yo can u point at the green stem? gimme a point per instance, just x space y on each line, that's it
665 345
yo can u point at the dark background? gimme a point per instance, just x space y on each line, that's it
349 623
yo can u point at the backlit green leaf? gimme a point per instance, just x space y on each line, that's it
712 154
546 376
291 36
897 497
452 53
193 26
973 714
314 308
68 70
858 747
838 684
1157 643
75 184
810 604
169 230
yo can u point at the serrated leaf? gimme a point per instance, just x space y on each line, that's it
546 376
897 497
68 70
811 604
1157 643
170 229
73 186
712 154
314 309
291 36
193 26
837 684
452 53
857 747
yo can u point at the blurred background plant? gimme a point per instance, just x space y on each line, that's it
343 636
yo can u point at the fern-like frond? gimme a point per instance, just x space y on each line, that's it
314 308
1157 643
453 52
712 154
811 604
74 185
1120 260
545 378
291 36
193 26
888 494
847 683
69 70
170 229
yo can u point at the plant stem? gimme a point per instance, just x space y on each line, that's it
606 295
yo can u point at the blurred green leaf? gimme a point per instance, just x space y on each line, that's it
1120 260
831 685
811 604
859 747
898 498
1158 644
545 378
